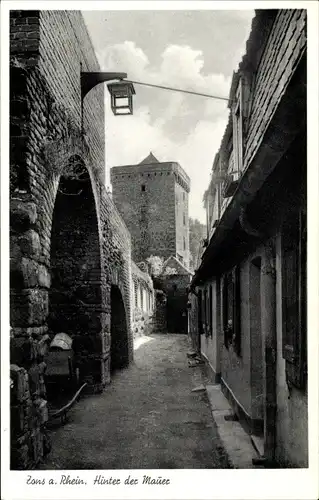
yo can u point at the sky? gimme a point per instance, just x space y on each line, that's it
192 50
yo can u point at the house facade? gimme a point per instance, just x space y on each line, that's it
143 300
248 295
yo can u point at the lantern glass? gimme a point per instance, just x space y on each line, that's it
121 97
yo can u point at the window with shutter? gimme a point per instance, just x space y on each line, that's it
294 296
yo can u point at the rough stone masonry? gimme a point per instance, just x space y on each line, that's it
69 245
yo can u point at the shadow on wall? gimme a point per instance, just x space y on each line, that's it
119 333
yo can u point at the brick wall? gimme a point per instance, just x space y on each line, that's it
47 51
282 52
65 32
116 269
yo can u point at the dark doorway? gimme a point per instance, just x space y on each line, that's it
76 292
176 311
119 334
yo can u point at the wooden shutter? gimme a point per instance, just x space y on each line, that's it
290 278
200 310
228 307
302 375
236 311
211 310
294 296
225 311
204 313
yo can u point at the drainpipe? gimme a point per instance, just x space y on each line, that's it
269 340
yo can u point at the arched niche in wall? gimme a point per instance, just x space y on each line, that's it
119 332
75 297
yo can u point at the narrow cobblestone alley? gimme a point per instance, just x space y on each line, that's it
148 418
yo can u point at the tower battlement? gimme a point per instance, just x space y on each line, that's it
153 170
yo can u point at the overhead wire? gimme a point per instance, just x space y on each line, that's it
174 89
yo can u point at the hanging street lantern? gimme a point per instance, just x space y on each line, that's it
89 79
121 97
122 91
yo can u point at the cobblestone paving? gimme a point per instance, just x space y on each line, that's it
148 418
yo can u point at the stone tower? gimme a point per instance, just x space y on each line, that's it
152 198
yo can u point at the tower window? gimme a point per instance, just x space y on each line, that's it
184 243
143 187
184 219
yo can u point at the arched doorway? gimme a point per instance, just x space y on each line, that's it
119 334
75 296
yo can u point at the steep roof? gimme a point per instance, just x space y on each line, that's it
149 160
173 262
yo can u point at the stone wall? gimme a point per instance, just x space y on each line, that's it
150 200
69 244
182 223
160 317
